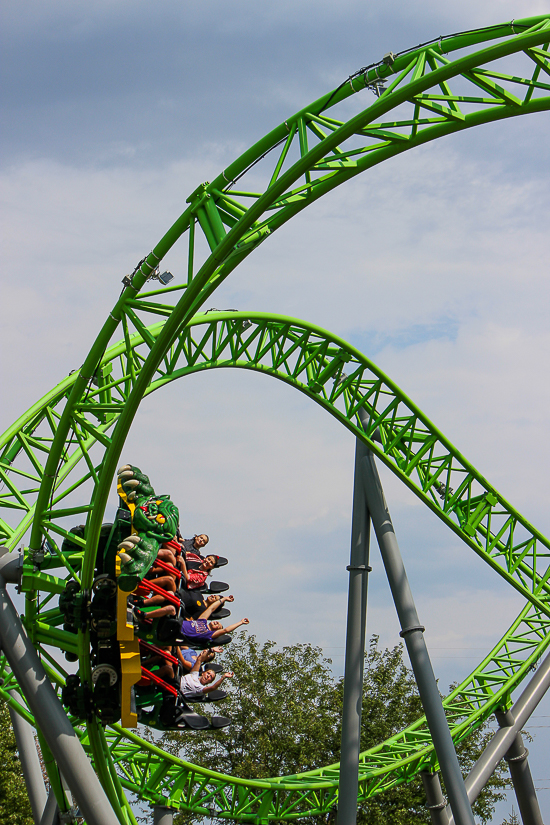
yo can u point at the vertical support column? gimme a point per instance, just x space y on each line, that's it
162 815
516 756
30 763
355 649
435 801
412 631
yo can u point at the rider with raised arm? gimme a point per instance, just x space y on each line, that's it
196 682
187 656
194 603
196 572
202 630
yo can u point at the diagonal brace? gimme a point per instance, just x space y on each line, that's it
412 632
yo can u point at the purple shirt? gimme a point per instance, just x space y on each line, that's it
197 629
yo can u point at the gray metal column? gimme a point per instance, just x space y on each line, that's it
162 815
47 709
355 649
504 738
412 631
435 801
30 763
51 811
516 756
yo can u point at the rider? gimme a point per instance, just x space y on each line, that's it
196 572
194 545
199 630
188 657
195 682
212 604
202 630
194 604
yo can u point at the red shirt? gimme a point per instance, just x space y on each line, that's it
196 578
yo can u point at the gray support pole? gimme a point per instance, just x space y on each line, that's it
30 763
504 738
435 801
516 756
51 811
355 649
412 632
47 709
163 815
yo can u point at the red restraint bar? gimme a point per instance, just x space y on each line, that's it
174 545
168 567
146 674
159 652
147 585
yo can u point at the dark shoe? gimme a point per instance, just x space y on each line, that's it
220 722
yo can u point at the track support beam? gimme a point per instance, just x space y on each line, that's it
516 756
413 633
504 738
435 801
47 709
51 811
162 815
30 762
522 780
355 648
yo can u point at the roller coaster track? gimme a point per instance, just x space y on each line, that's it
312 361
86 418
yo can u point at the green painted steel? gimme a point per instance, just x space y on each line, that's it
436 89
342 380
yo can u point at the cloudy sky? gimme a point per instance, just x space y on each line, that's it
434 264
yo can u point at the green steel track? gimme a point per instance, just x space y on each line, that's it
341 380
57 462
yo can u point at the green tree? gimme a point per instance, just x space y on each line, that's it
513 820
281 703
15 807
285 707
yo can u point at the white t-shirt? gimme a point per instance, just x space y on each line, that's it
191 683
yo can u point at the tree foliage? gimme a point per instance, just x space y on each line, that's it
391 703
285 707
15 807
282 709
512 820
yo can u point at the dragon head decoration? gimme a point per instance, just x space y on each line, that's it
154 521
